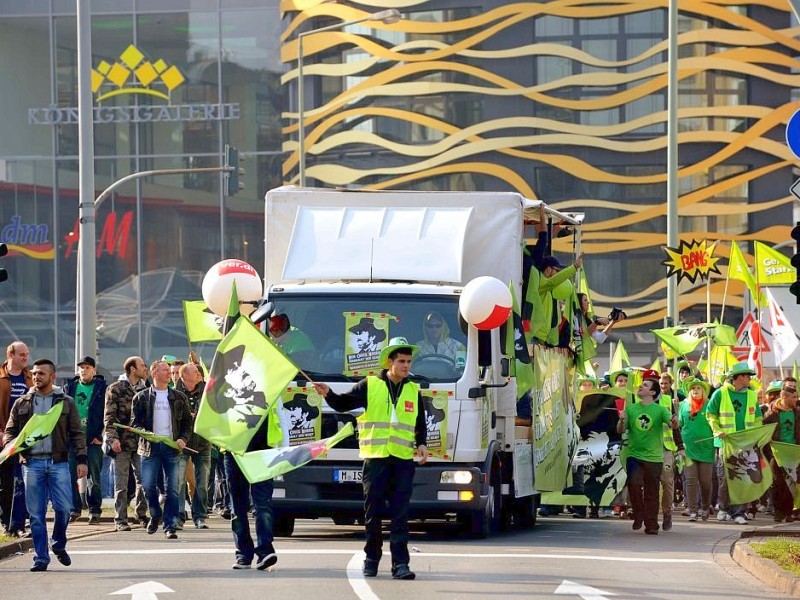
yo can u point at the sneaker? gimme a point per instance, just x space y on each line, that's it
178 525
152 526
39 566
666 525
20 533
200 524
685 513
94 519
63 557
750 514
370 568
225 513
122 527
637 524
704 515
723 516
170 534
265 562
651 531
402 572
740 520
241 564
74 516
693 517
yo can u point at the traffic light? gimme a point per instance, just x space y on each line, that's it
795 287
232 162
3 272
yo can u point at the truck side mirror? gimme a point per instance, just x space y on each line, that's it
262 312
476 392
505 367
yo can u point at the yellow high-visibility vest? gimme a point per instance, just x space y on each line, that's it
380 435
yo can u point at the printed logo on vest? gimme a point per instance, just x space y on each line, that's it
409 406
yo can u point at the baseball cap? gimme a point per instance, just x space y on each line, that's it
88 360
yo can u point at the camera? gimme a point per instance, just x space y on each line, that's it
617 314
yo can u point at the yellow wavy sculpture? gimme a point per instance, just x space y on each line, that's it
435 61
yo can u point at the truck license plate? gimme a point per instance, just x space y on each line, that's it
347 476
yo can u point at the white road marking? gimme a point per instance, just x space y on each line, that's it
229 550
356 578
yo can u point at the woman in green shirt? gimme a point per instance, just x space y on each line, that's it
698 440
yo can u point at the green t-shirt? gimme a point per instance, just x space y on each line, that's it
645 426
694 428
786 426
83 393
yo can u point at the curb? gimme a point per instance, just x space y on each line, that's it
24 545
763 569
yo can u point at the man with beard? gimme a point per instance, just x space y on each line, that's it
45 466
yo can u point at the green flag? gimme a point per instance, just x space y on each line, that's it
723 335
268 464
247 375
201 324
37 428
773 267
746 470
516 348
788 458
720 362
620 359
150 436
233 308
682 339
738 269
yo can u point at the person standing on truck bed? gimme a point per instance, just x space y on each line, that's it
391 427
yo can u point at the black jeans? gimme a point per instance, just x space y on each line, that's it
387 480
242 493
643 481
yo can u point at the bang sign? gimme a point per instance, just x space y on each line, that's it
690 261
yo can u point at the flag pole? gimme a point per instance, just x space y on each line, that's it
727 281
758 320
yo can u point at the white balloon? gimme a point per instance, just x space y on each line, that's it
218 284
485 302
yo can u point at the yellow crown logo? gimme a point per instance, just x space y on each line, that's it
132 73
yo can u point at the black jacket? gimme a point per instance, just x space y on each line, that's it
142 415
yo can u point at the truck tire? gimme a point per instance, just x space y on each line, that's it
283 526
483 522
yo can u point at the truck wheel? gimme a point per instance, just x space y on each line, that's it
283 526
483 522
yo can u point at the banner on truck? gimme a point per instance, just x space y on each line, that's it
365 335
302 412
436 421
554 435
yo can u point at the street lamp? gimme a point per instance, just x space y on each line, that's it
388 17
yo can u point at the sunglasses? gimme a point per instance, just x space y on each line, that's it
790 390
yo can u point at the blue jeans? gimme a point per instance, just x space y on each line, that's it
166 459
94 497
45 480
201 463
242 492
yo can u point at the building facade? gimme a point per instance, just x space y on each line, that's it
566 103
173 82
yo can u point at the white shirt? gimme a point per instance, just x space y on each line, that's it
162 415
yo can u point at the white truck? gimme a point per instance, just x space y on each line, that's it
335 259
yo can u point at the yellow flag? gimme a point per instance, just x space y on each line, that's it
738 269
773 267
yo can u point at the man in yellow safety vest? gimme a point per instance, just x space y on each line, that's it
733 407
390 431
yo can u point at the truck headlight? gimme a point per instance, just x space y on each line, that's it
459 477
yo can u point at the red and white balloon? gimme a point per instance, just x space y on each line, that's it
218 284
485 302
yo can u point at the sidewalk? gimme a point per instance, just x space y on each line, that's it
767 571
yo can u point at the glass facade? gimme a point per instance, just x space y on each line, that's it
173 82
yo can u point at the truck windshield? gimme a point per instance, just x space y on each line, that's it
339 337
